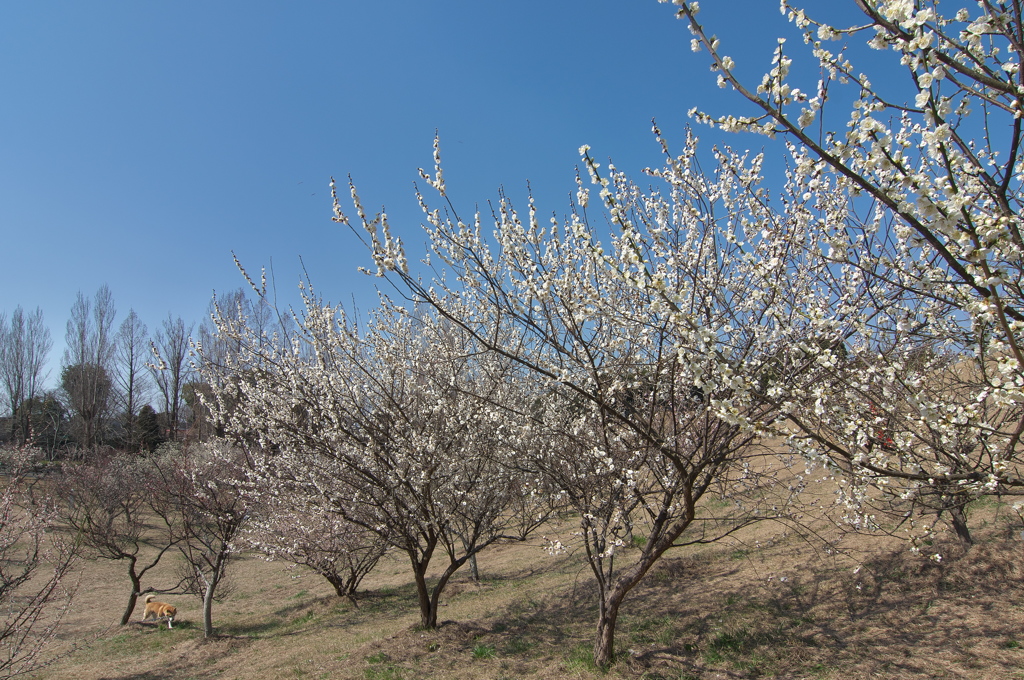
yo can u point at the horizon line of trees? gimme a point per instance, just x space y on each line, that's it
120 386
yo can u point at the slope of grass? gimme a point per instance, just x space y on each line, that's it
764 608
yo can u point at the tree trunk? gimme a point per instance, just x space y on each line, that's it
208 609
133 598
604 646
474 569
430 599
959 520
428 615
338 583
343 588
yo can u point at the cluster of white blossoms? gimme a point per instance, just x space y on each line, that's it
653 356
920 202
630 359
387 435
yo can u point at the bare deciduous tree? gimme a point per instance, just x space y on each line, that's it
24 346
87 363
172 370
47 420
36 582
87 388
130 374
109 506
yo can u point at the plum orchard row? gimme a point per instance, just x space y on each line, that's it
623 362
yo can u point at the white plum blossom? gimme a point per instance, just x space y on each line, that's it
924 283
651 364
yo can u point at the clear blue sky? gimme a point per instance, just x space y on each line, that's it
142 142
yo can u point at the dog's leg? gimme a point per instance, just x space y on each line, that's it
170 619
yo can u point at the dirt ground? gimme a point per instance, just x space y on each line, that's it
770 606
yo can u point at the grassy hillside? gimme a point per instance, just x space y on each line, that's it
767 606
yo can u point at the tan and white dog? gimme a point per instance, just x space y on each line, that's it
158 610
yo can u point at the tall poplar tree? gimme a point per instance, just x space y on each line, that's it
24 346
87 364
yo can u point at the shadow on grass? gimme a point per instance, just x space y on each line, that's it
711 613
899 614
325 611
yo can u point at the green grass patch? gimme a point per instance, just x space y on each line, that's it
659 629
380 669
383 673
727 645
483 652
303 619
150 640
261 629
581 658
747 650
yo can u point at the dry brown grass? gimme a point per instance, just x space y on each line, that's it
772 606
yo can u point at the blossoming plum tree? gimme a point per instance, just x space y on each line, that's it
394 426
203 488
656 362
920 194
295 523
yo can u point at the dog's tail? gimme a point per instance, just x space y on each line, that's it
149 598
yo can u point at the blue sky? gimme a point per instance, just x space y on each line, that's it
142 142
